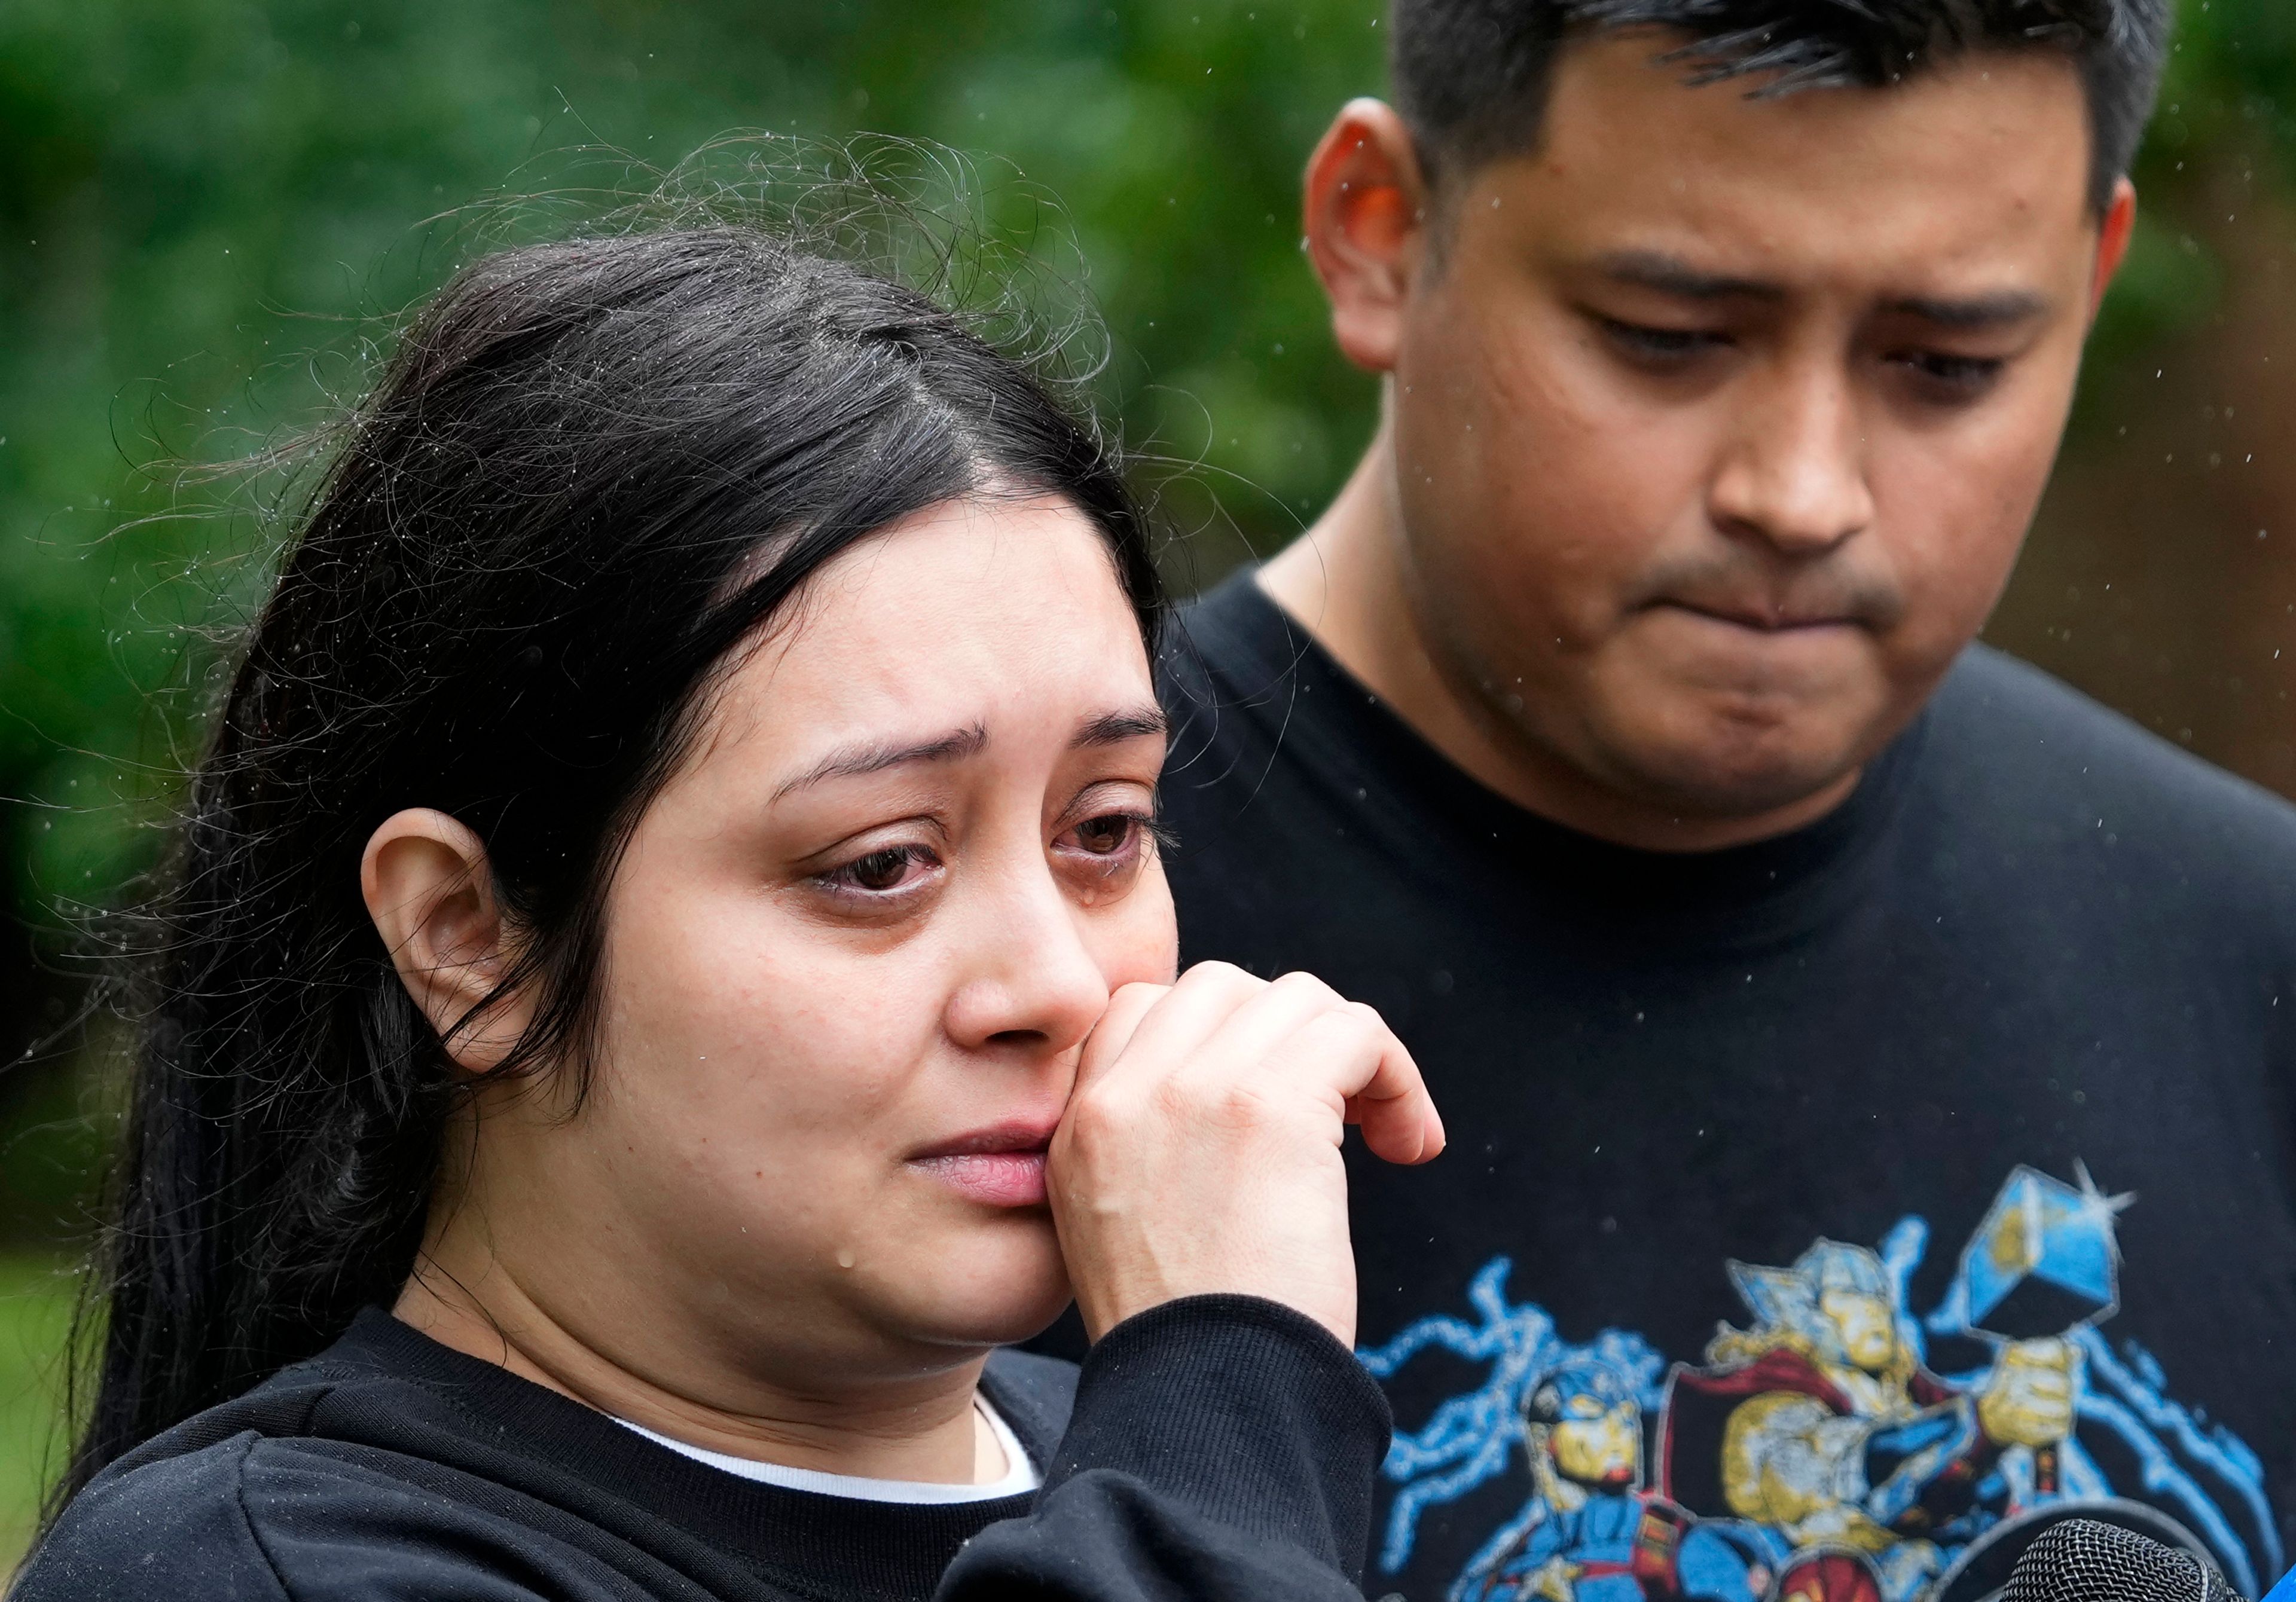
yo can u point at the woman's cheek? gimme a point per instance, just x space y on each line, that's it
816 1066
1140 942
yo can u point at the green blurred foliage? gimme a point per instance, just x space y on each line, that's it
196 194
2217 100
36 1298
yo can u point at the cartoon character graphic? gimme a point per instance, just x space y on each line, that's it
1819 1422
1590 1532
1812 1453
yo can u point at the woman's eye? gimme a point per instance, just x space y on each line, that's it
887 868
1105 853
1104 836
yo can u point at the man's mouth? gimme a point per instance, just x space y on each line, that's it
1764 619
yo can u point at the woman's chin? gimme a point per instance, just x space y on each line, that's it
995 1292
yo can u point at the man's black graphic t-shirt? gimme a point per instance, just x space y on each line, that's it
1822 1216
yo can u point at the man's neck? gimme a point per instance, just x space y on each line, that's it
1345 581
924 1429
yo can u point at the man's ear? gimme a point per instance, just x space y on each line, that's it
2113 236
1365 219
429 890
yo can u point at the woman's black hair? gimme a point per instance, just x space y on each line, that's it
592 470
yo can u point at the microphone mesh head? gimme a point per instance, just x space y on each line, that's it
2081 1560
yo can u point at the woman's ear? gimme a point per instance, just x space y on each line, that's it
429 889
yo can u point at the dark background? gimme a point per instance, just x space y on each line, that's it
207 206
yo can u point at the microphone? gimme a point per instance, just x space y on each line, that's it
2081 1560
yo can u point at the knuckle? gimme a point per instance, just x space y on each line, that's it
1308 987
1224 1103
1098 1115
1175 1100
1218 973
1349 1032
1237 1104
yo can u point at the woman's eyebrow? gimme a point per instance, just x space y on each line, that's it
873 756
1114 728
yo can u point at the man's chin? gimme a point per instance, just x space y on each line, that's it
1725 780
1715 754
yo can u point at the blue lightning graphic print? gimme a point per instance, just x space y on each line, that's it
1813 1452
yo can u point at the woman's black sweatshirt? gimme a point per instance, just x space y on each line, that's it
1213 1448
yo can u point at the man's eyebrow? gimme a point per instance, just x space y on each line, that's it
875 756
1995 310
1671 275
1114 728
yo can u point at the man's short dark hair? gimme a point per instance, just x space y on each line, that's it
1472 76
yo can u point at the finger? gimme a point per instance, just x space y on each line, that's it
1115 1030
1168 1035
1350 1053
1393 1106
1269 1029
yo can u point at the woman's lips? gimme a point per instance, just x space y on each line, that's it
1001 1166
1000 1179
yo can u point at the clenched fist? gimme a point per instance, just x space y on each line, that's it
1200 1152
2028 1399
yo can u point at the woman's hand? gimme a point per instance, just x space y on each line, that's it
1200 1152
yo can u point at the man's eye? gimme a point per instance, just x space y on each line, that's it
1951 377
1661 346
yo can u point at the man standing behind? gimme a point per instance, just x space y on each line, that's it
1868 1062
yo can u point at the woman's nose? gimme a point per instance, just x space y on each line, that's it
1028 978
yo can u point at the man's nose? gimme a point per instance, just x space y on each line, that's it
1028 978
1793 474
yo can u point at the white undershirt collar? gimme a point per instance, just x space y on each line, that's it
1021 1476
